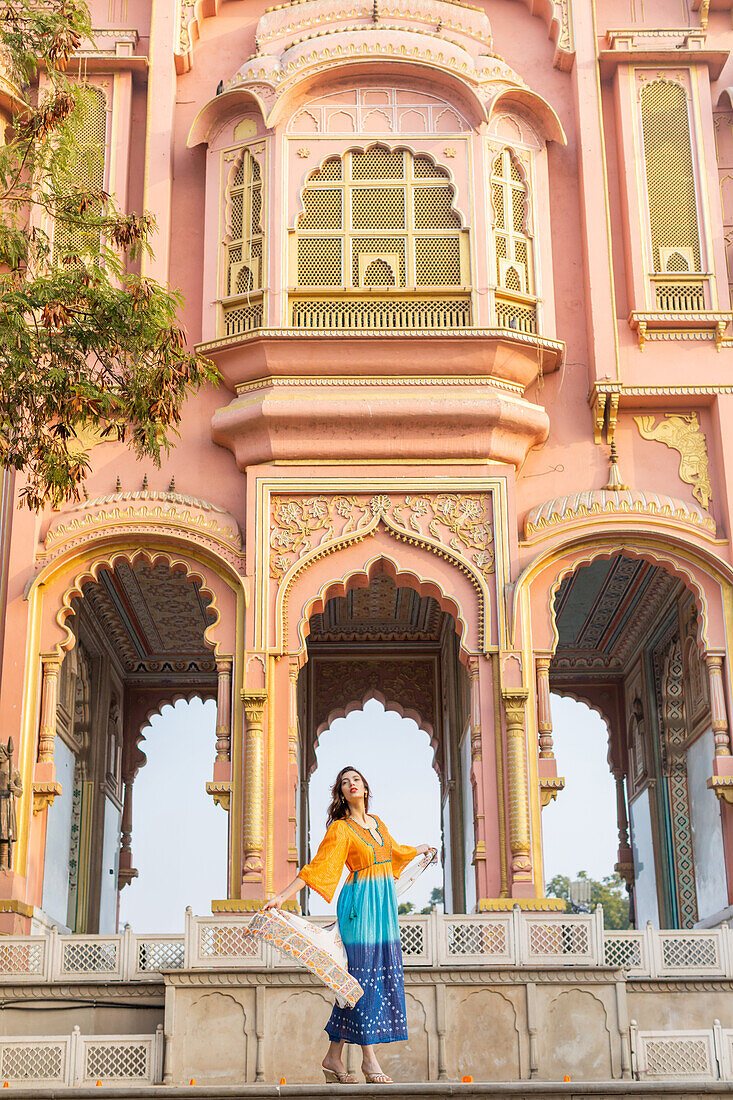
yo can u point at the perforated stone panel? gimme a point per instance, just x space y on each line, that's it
486 938
558 938
157 955
89 130
218 941
670 172
412 937
33 1062
21 958
680 297
678 1057
411 313
682 952
622 951
89 957
116 1060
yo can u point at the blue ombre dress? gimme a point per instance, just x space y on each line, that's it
367 918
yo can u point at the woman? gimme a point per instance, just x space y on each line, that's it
367 918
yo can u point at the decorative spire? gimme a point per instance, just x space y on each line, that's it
145 481
375 12
118 485
615 481
172 486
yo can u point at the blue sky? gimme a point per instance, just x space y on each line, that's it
179 835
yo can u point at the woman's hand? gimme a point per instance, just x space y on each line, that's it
274 903
423 849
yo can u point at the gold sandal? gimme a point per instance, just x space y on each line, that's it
334 1078
377 1078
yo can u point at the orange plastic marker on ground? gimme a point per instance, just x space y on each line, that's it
467 1080
283 1081
566 1077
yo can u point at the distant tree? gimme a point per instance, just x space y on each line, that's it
404 908
610 892
436 899
87 346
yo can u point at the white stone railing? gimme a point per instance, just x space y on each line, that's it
78 1059
513 938
704 1055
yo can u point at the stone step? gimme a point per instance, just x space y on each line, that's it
493 1090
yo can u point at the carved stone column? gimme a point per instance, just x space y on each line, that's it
718 711
625 865
518 792
476 762
254 785
49 700
223 710
293 776
127 872
544 716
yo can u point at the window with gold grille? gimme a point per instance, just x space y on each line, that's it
515 304
378 218
670 179
244 256
88 127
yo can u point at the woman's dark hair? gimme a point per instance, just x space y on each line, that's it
339 806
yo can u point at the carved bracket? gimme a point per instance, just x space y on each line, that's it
221 793
550 787
44 794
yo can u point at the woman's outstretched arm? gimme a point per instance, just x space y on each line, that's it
289 892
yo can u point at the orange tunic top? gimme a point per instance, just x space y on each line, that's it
347 843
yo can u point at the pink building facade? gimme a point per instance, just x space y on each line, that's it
463 271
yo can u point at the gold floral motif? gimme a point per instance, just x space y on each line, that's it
683 434
461 522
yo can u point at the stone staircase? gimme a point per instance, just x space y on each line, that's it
494 1090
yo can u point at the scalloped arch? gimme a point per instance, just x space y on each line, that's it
389 705
427 544
587 555
391 147
91 573
177 695
360 578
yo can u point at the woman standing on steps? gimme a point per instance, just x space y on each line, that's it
367 919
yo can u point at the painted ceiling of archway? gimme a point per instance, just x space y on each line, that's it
154 617
380 613
604 609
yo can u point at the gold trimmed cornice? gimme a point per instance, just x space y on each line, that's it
527 905
663 325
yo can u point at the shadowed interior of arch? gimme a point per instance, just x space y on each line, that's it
383 640
629 645
139 641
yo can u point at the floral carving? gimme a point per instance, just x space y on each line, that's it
683 434
460 521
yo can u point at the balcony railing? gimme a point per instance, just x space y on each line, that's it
508 939
516 311
395 310
680 293
242 313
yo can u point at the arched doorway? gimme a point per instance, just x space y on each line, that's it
180 834
138 626
382 639
623 623
398 760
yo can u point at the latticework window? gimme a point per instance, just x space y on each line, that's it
670 178
243 275
88 127
244 250
379 218
513 246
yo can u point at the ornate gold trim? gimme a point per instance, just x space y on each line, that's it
528 905
550 787
659 325
44 795
722 785
247 905
221 793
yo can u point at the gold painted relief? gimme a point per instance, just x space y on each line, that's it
683 434
460 521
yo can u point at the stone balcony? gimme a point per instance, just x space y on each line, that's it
413 394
